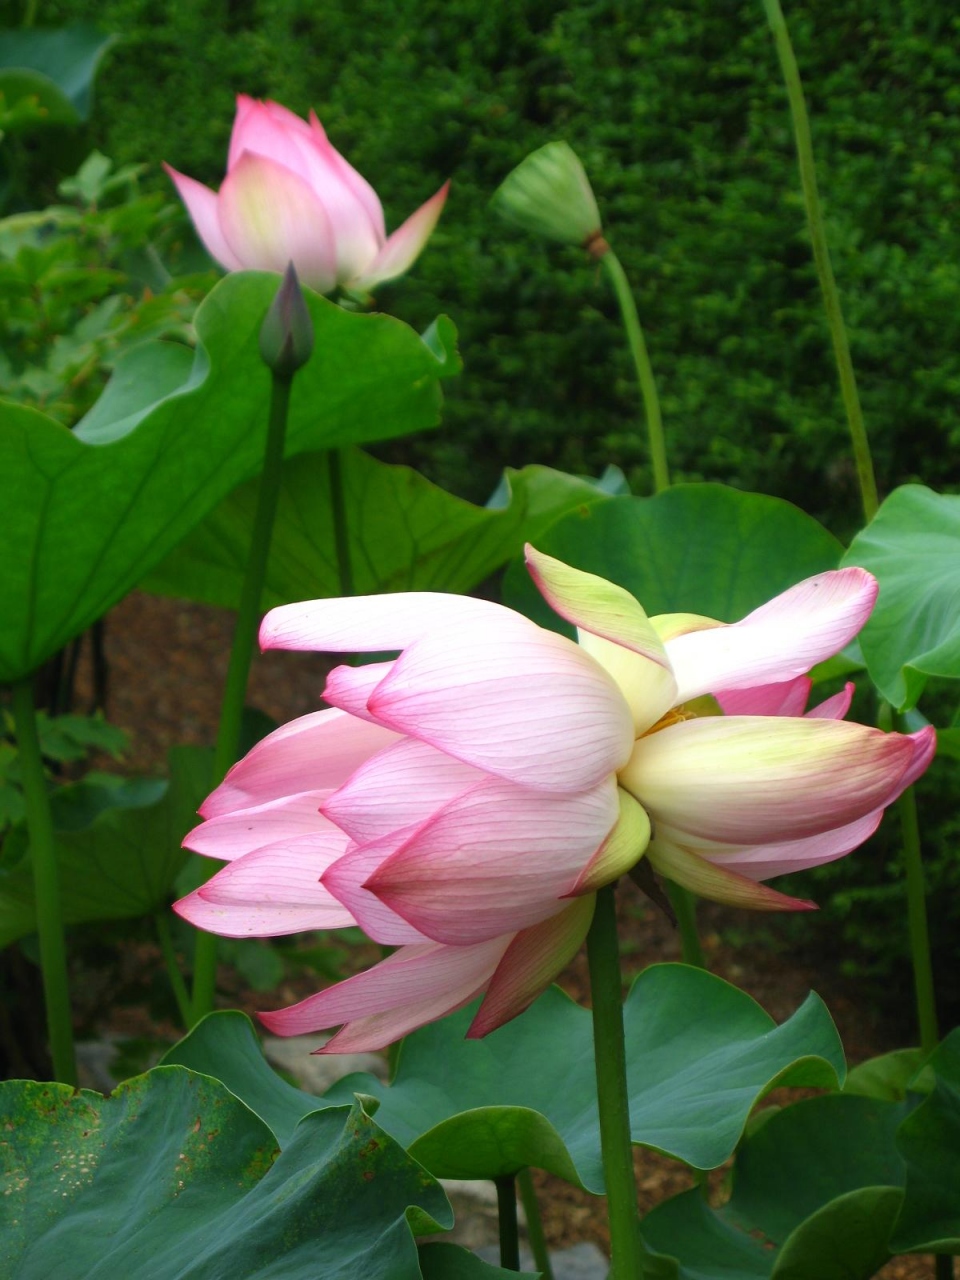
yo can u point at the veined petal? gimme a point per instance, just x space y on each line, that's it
614 630
400 786
530 963
231 835
369 624
622 849
203 208
782 639
788 698
670 625
405 245
519 702
496 859
834 708
349 687
346 880
710 880
274 890
316 752
271 217
755 780
419 984
764 861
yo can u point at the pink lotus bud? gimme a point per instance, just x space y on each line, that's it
289 196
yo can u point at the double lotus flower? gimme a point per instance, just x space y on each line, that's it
290 196
464 802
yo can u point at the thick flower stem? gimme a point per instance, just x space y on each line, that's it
821 257
641 360
46 880
611 1065
507 1217
241 654
177 984
531 1210
684 905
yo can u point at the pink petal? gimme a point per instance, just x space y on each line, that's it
400 786
924 743
782 639
530 963
271 217
763 862
614 630
358 184
788 698
233 834
495 859
404 246
369 624
349 688
313 753
249 125
755 780
516 701
275 890
203 208
715 882
415 985
346 880
836 707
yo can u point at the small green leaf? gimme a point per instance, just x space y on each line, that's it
67 57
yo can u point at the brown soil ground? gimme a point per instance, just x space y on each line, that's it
167 661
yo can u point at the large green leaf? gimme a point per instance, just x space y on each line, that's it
912 546
57 66
815 1193
929 1141
86 518
444 1261
118 846
699 548
173 1178
700 1053
405 533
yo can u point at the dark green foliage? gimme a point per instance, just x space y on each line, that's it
679 115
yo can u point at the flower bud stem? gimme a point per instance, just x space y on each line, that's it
626 1251
341 535
917 922
641 360
241 654
821 258
46 881
507 1218
531 1211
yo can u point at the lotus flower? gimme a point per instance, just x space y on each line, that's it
464 802
289 196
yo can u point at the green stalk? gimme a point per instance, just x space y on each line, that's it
641 360
507 1218
821 257
626 1256
943 1266
531 1209
244 634
180 992
46 880
917 922
684 905
341 537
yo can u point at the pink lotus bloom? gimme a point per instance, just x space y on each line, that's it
465 801
289 196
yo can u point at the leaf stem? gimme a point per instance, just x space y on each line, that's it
177 984
603 955
641 360
684 905
46 880
917 922
535 1234
341 536
821 258
507 1217
241 653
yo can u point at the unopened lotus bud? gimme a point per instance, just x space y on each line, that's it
286 338
549 193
